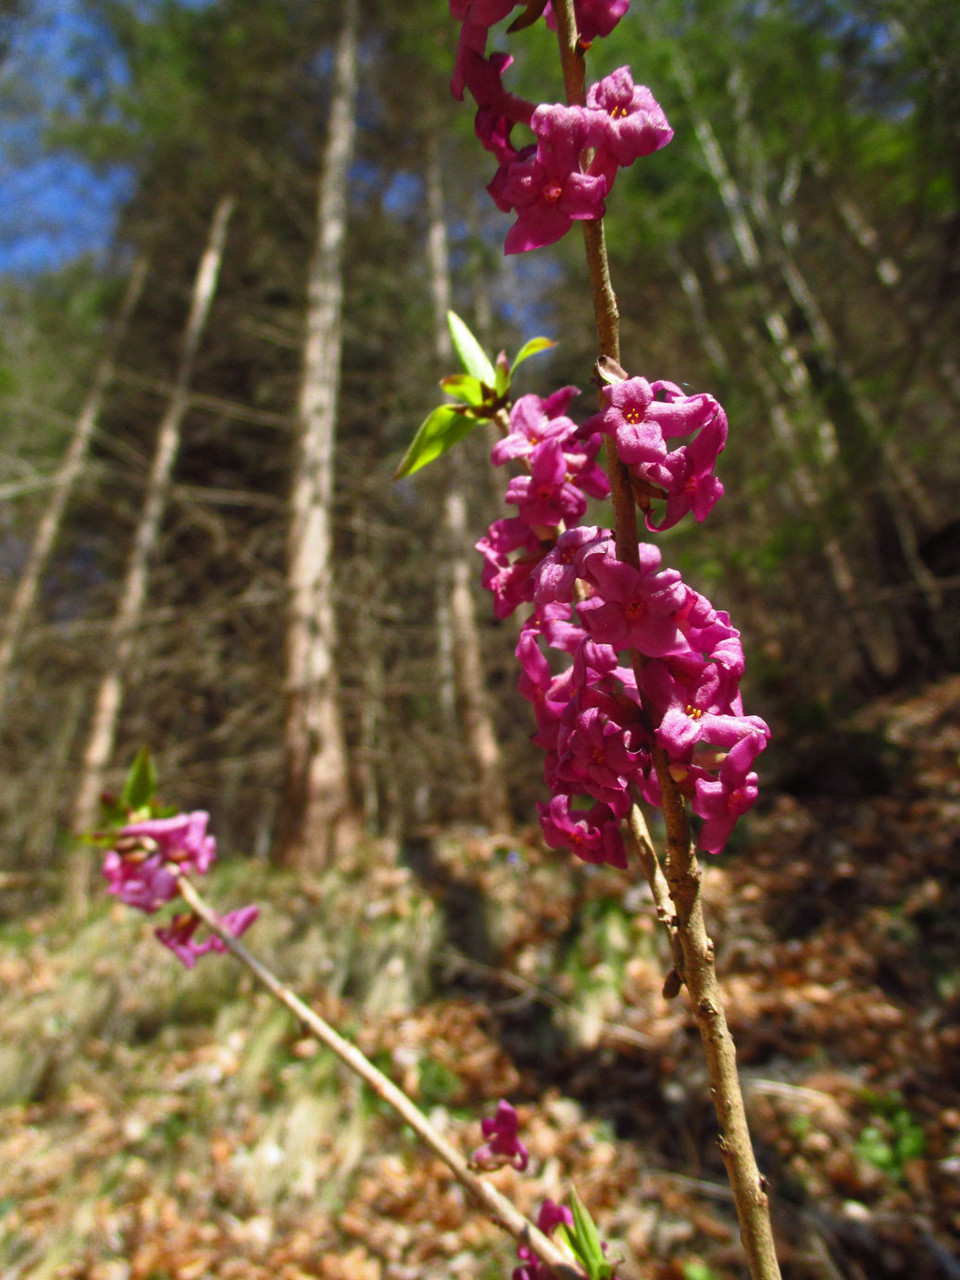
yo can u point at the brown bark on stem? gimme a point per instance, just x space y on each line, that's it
682 867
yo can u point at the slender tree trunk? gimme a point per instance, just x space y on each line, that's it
863 627
890 275
106 713
865 440
48 529
317 815
462 643
847 432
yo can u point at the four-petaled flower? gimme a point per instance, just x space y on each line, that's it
503 1145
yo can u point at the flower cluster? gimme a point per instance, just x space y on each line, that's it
598 718
561 472
567 173
143 869
642 416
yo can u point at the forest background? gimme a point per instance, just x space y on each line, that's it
795 251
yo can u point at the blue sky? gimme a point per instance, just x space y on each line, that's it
52 206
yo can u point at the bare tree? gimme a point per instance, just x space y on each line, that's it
106 712
317 815
463 641
864 631
848 431
67 475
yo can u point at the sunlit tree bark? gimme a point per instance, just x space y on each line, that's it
864 632
106 711
24 598
459 635
316 816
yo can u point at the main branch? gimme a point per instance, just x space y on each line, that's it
683 871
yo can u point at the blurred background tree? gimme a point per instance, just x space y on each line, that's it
794 250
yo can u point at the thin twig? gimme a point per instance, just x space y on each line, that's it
638 838
496 1206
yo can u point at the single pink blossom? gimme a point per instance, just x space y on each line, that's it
532 421
179 934
593 835
633 121
182 839
545 496
545 185
550 1217
635 608
720 805
503 1145
138 879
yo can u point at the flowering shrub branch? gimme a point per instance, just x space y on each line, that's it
151 860
647 703
632 675
496 1206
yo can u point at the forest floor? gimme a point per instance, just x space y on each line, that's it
158 1124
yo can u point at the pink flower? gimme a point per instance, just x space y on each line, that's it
633 120
635 608
549 1218
593 756
503 1145
139 880
545 497
558 571
137 868
686 475
477 16
510 582
178 935
532 421
545 185
497 110
720 805
182 839
625 417
698 712
593 834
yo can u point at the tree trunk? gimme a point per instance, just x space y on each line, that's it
462 642
317 815
845 431
899 507
69 471
864 632
106 713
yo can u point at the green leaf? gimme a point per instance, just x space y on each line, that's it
464 387
141 782
585 1240
438 432
532 348
469 350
